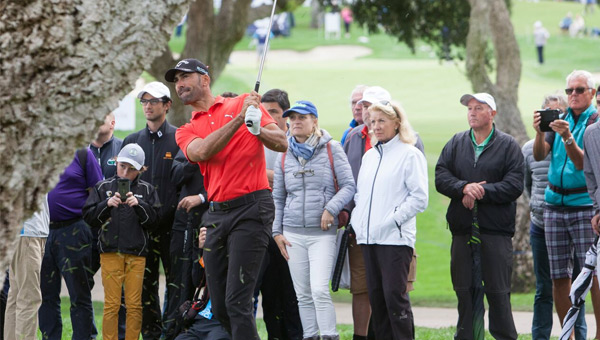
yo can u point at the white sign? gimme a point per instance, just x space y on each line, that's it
125 114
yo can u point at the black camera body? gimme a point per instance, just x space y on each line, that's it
548 116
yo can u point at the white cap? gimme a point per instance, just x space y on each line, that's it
156 89
482 97
132 154
375 94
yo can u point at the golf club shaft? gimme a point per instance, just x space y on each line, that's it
264 54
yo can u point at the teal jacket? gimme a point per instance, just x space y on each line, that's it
562 172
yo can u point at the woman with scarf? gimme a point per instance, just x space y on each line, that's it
307 203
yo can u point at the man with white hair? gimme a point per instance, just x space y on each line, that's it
157 140
481 171
356 109
569 209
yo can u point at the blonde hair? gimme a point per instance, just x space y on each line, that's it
395 112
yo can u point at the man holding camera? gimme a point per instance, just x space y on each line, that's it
568 211
226 137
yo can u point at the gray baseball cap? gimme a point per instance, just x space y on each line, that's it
132 154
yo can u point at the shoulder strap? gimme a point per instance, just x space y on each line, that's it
330 154
593 118
82 156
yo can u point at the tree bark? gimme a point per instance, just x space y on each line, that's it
210 38
490 20
65 65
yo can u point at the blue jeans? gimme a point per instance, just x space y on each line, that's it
68 255
543 302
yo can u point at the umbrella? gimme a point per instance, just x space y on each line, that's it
341 257
476 279
581 286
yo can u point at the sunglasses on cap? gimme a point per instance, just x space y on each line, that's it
578 90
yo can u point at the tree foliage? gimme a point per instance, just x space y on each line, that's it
438 23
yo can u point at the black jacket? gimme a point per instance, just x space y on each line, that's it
106 154
160 149
500 165
189 180
122 229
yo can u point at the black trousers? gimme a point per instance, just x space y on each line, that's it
387 276
236 242
158 251
279 302
496 270
181 287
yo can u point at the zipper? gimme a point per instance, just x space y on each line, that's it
380 150
153 159
304 198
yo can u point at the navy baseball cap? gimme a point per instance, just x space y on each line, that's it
186 65
302 107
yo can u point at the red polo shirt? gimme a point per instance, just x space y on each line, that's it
240 167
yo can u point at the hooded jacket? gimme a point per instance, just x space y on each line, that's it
123 229
500 165
301 199
391 190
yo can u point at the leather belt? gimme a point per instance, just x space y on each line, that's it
62 224
238 202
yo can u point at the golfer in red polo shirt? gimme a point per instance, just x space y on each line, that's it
240 216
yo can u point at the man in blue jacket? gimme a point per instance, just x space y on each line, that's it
569 210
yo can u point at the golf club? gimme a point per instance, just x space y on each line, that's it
264 54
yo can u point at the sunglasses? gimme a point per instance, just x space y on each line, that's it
578 90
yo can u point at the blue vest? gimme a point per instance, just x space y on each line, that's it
562 172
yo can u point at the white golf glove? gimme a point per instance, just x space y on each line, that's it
253 115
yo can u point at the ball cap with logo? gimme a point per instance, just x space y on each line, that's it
186 65
156 89
302 107
375 94
482 97
132 154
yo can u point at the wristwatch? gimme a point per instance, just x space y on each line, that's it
568 141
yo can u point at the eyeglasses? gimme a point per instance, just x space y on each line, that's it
152 101
307 173
578 90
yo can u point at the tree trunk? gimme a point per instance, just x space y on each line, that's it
65 65
210 38
490 20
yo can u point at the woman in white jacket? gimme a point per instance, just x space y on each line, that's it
391 190
306 208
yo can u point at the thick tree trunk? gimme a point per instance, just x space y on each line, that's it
64 66
210 38
490 20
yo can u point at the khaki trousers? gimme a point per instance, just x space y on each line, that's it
24 297
122 272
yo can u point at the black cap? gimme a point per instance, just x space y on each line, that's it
186 65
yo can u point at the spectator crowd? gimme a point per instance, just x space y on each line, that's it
247 199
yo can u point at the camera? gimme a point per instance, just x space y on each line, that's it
548 116
124 186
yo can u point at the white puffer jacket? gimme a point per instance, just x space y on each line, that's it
391 190
301 199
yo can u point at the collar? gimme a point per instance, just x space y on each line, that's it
588 112
218 101
353 123
159 133
487 139
365 131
